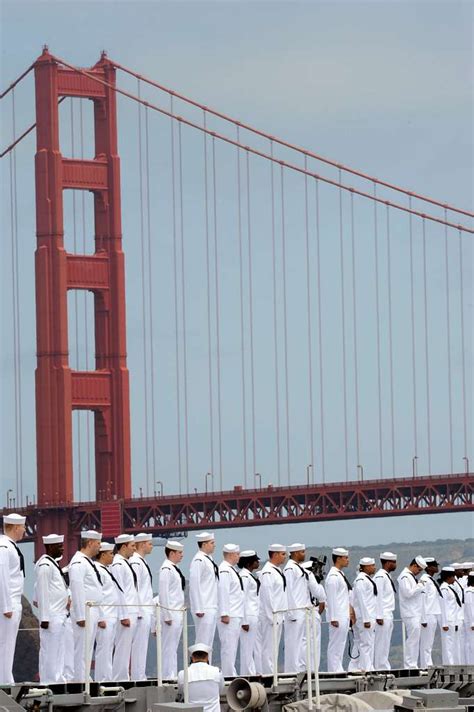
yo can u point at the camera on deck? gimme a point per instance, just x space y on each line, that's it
317 567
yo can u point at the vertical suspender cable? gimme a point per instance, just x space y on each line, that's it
320 335
448 346
463 352
427 360
308 308
275 321
150 301
285 325
413 341
14 239
390 337
208 275
175 285
218 333
377 309
343 324
252 370
183 307
18 321
354 318
242 331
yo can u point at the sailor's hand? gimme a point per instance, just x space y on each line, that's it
321 607
102 624
245 627
168 622
125 622
44 625
367 624
446 627
81 624
424 625
225 619
200 615
335 624
8 614
352 615
379 621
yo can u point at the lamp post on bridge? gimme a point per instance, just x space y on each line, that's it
9 492
361 470
209 474
308 468
414 466
257 474
160 483
466 460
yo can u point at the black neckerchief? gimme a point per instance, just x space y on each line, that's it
349 587
137 563
303 572
55 563
215 566
461 588
238 576
458 600
282 575
181 575
391 581
89 561
374 585
256 580
22 558
135 580
437 585
112 577
412 574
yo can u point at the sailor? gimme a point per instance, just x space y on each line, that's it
450 617
469 618
128 616
459 584
386 591
339 611
203 583
273 600
51 595
318 600
12 578
112 602
410 595
206 682
365 596
143 548
86 585
468 566
430 611
171 588
297 591
231 608
68 669
250 644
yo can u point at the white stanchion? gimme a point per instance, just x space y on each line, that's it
275 649
159 659
316 660
404 635
87 648
308 658
185 656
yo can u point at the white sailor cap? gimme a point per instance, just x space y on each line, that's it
430 560
388 556
124 539
231 549
205 536
143 536
106 546
366 561
297 547
199 648
340 551
91 534
457 566
277 547
248 553
419 560
174 545
467 565
448 569
471 573
13 519
53 539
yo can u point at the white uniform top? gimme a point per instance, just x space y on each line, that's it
469 606
410 593
338 595
459 588
12 579
170 589
85 584
364 598
203 582
450 605
316 591
50 590
144 582
230 591
431 601
124 574
251 595
206 683
297 589
385 594
112 595
273 595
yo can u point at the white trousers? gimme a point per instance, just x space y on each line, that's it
68 668
383 637
123 649
427 637
336 646
229 634
462 643
469 644
170 637
450 646
8 634
140 647
51 653
317 622
266 635
365 642
104 650
205 627
80 651
412 642
295 644
250 648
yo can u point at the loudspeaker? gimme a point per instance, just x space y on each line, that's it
244 695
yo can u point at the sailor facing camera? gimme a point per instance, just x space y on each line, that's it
206 682
410 593
12 578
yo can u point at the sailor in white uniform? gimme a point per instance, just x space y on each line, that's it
206 682
112 600
231 608
459 584
318 601
68 669
171 588
250 644
451 606
143 548
364 601
297 591
386 591
51 596
86 585
128 617
469 618
339 611
430 611
410 592
203 584
273 599
12 579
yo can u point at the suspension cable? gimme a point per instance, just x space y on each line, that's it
463 352
427 361
242 331
413 337
183 311
308 308
320 335
218 336
377 310
208 276
285 325
275 321
354 319
390 338
252 370
13 222
448 348
343 328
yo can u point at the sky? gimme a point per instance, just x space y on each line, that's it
385 87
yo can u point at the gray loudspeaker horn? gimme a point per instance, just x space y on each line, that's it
244 695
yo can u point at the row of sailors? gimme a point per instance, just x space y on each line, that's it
242 606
